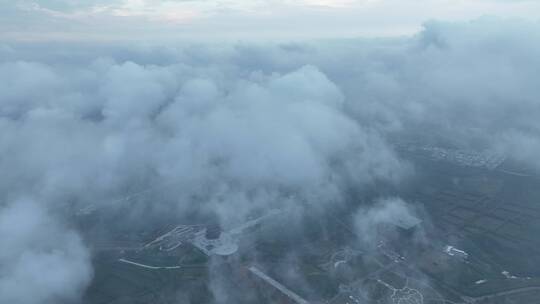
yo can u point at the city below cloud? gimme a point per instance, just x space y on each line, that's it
231 152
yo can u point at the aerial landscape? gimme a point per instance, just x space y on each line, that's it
272 151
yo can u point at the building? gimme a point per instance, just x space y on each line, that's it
453 251
406 225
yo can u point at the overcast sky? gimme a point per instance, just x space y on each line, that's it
238 19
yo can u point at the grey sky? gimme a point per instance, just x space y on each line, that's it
238 19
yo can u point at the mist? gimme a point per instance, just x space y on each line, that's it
233 128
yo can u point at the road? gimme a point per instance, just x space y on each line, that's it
147 266
502 293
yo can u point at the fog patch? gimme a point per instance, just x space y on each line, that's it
381 221
41 261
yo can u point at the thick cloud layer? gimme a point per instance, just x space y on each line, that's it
379 221
40 262
219 138
97 131
473 82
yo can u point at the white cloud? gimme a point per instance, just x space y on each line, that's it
377 222
41 261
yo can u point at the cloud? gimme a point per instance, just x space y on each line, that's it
473 83
273 118
227 129
90 133
219 139
41 261
377 222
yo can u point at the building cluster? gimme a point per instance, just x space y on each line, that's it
461 157
210 239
